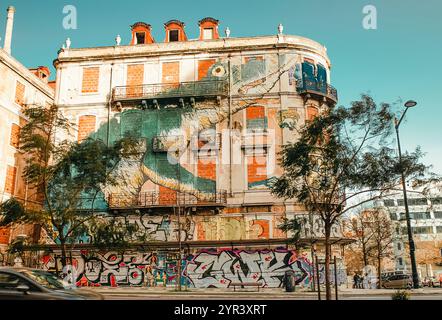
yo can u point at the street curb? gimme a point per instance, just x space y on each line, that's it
248 293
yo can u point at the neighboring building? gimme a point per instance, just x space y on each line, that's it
228 105
19 87
426 222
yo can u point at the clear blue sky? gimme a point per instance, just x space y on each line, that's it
401 59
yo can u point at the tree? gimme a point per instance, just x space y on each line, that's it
343 156
69 176
382 237
358 228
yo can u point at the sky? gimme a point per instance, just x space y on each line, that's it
398 60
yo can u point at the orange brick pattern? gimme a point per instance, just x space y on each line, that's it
167 196
135 77
207 169
15 135
256 112
20 93
11 178
171 72
203 67
256 169
86 126
91 77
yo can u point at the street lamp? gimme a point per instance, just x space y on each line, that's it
407 105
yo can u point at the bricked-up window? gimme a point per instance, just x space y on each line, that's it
11 177
15 136
171 72
256 119
91 78
20 93
135 78
86 126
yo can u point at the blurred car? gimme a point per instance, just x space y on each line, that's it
398 281
34 284
434 282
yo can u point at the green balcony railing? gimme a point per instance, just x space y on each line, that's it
318 88
171 90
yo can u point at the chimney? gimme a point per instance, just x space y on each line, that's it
8 33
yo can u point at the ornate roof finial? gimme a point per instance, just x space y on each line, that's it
68 43
280 29
227 32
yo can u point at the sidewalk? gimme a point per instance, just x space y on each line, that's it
263 291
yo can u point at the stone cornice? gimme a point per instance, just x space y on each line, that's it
219 46
24 72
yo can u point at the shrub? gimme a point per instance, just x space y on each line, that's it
401 295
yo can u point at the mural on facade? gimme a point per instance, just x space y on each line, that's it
194 228
172 128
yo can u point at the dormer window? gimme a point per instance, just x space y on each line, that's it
141 34
140 37
208 29
174 35
175 31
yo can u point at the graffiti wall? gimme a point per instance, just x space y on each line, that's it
203 269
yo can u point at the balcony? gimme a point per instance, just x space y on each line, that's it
317 89
193 89
154 199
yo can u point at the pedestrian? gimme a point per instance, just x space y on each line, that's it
361 282
355 280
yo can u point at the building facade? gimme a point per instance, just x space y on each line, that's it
426 222
213 114
19 87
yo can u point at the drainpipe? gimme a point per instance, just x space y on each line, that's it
230 125
9 27
109 104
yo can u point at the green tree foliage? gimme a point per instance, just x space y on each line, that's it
342 159
69 175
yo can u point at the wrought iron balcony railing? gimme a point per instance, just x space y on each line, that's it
171 90
167 199
317 88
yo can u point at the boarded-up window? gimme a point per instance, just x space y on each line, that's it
91 77
86 126
203 67
15 135
11 177
20 93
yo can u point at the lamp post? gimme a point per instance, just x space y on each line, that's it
408 104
